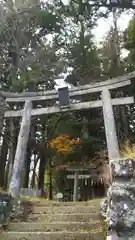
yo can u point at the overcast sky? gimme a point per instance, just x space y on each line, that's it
105 24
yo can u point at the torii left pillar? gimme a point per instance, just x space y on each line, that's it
14 188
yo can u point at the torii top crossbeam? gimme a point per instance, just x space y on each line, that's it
97 87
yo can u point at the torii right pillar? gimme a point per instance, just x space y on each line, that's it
121 193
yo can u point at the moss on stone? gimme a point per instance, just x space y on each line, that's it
104 226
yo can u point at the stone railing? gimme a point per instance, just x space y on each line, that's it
16 208
22 205
5 208
119 207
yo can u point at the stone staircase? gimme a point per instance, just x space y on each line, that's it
58 221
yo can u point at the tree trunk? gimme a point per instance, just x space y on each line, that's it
42 172
50 184
42 157
121 120
33 176
2 112
3 155
10 155
85 132
4 148
124 120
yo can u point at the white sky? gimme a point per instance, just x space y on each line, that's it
105 24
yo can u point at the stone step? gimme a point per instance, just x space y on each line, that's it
77 217
68 209
51 236
54 227
42 202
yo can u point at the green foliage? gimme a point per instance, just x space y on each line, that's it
46 180
109 55
26 56
48 21
131 30
129 44
60 178
76 41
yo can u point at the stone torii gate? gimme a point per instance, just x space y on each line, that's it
76 176
106 102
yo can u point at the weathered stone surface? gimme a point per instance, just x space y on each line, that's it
51 236
47 203
55 226
121 200
78 217
15 183
65 210
5 207
104 207
17 211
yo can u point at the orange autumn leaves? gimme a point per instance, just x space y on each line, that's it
63 143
